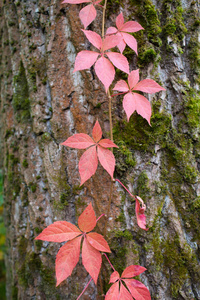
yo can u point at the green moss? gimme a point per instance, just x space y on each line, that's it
25 163
143 186
126 234
33 187
21 103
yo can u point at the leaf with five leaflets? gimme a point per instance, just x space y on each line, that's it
68 255
103 67
122 29
136 289
132 100
98 148
88 13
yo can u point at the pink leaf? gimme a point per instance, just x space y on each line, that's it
114 277
67 258
130 41
111 30
94 38
141 218
87 15
113 292
111 42
148 86
132 271
119 21
85 59
131 26
75 1
139 103
59 231
133 78
137 289
79 141
97 132
124 294
119 60
105 71
106 143
87 220
88 164
91 259
97 241
121 86
107 160
121 46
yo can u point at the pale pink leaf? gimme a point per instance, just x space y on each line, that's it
121 86
141 218
88 164
87 220
130 41
105 71
114 277
119 60
91 259
106 143
97 132
131 26
111 41
119 21
113 292
87 15
79 141
132 271
129 104
85 59
148 86
107 160
137 289
121 46
111 30
134 101
75 1
97 241
67 258
94 38
59 231
133 78
124 293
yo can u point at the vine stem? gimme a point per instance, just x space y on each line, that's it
109 261
103 19
83 291
100 217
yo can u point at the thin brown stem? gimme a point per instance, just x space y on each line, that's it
108 208
103 19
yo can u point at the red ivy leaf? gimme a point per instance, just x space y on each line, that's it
91 259
138 290
141 218
97 132
132 271
60 231
88 164
79 141
113 292
124 294
67 258
107 160
114 277
87 220
97 241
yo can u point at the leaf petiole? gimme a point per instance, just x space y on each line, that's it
109 261
83 291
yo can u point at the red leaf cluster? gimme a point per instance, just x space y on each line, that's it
136 290
97 148
68 255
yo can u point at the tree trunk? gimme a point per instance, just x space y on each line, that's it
43 103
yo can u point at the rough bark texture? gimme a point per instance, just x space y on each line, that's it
43 103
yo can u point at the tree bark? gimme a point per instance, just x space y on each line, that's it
43 103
